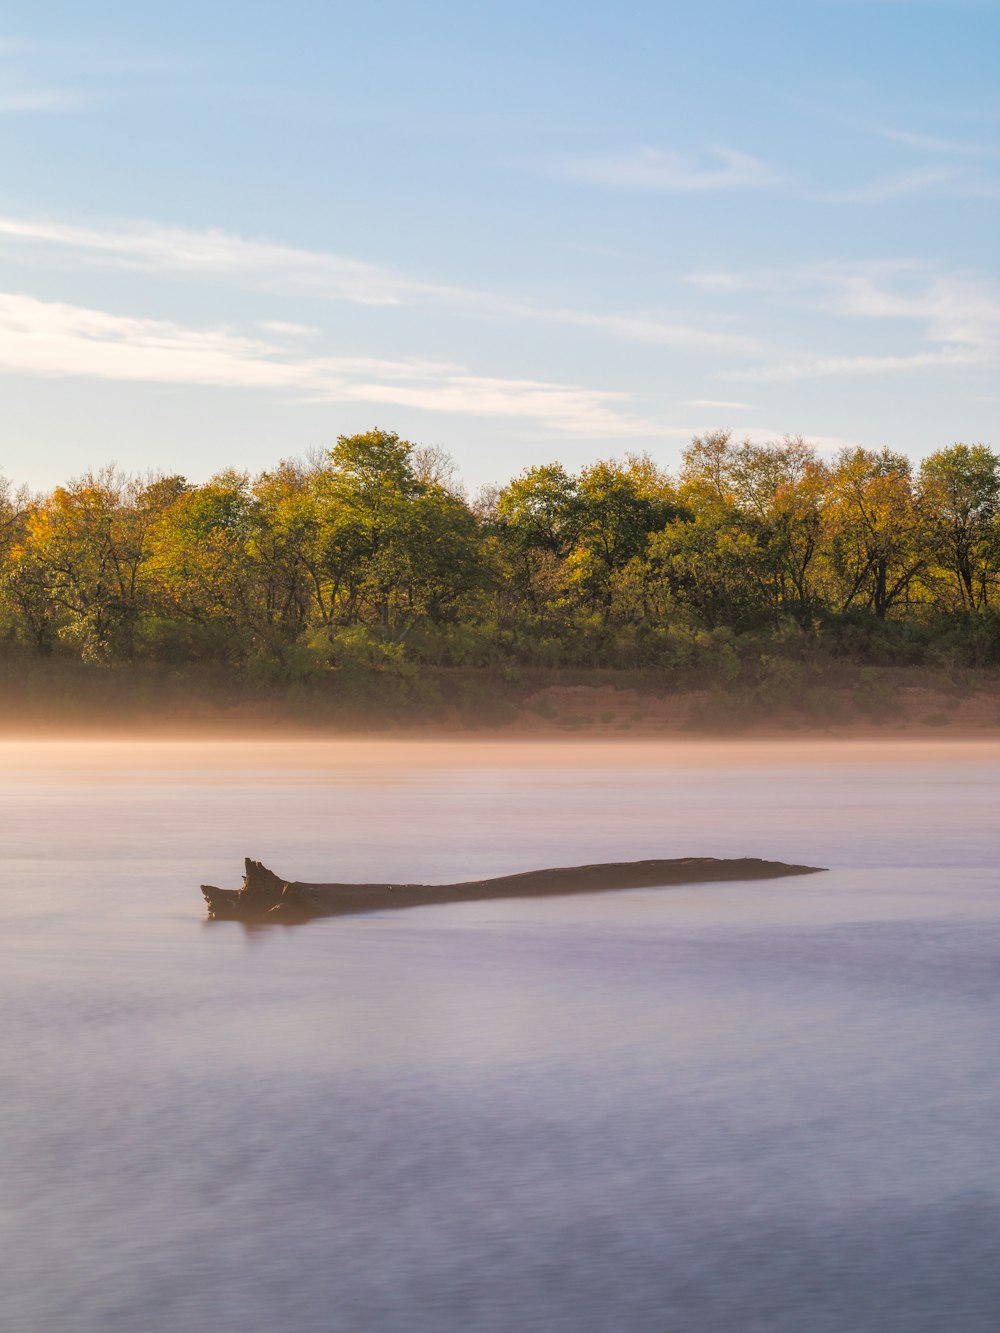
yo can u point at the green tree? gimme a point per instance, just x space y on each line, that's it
284 545
873 528
28 612
619 505
712 566
774 495
396 547
201 567
960 494
534 521
84 553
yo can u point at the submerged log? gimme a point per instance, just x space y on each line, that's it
266 897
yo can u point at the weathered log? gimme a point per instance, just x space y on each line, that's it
266 897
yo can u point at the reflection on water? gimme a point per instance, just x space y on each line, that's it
769 1106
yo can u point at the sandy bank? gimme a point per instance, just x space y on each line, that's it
595 711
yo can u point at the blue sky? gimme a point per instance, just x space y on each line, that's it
231 231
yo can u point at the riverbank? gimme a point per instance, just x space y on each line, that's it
60 698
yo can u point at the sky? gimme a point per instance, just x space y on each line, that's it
231 232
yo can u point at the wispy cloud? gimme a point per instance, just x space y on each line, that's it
957 313
16 101
55 339
725 404
285 328
951 307
930 143
642 328
214 253
263 265
811 284
952 166
824 367
894 185
662 170
956 305
954 316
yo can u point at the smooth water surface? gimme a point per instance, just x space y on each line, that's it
752 1107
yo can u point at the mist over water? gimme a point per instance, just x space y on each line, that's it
768 1106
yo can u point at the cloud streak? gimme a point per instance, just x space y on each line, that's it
726 404
955 316
929 143
55 339
215 255
664 171
227 256
825 367
894 185
39 99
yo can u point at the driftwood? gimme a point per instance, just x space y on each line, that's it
266 897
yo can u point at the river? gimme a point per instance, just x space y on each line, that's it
768 1107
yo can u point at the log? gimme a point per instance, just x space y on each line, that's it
266 897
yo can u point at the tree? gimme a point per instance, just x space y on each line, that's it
283 542
25 600
773 493
201 565
873 526
619 506
712 566
85 551
538 510
532 522
960 496
397 545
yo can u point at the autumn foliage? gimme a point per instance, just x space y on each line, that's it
370 554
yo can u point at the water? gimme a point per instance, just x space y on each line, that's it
723 1109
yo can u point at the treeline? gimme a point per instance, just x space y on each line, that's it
369 557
